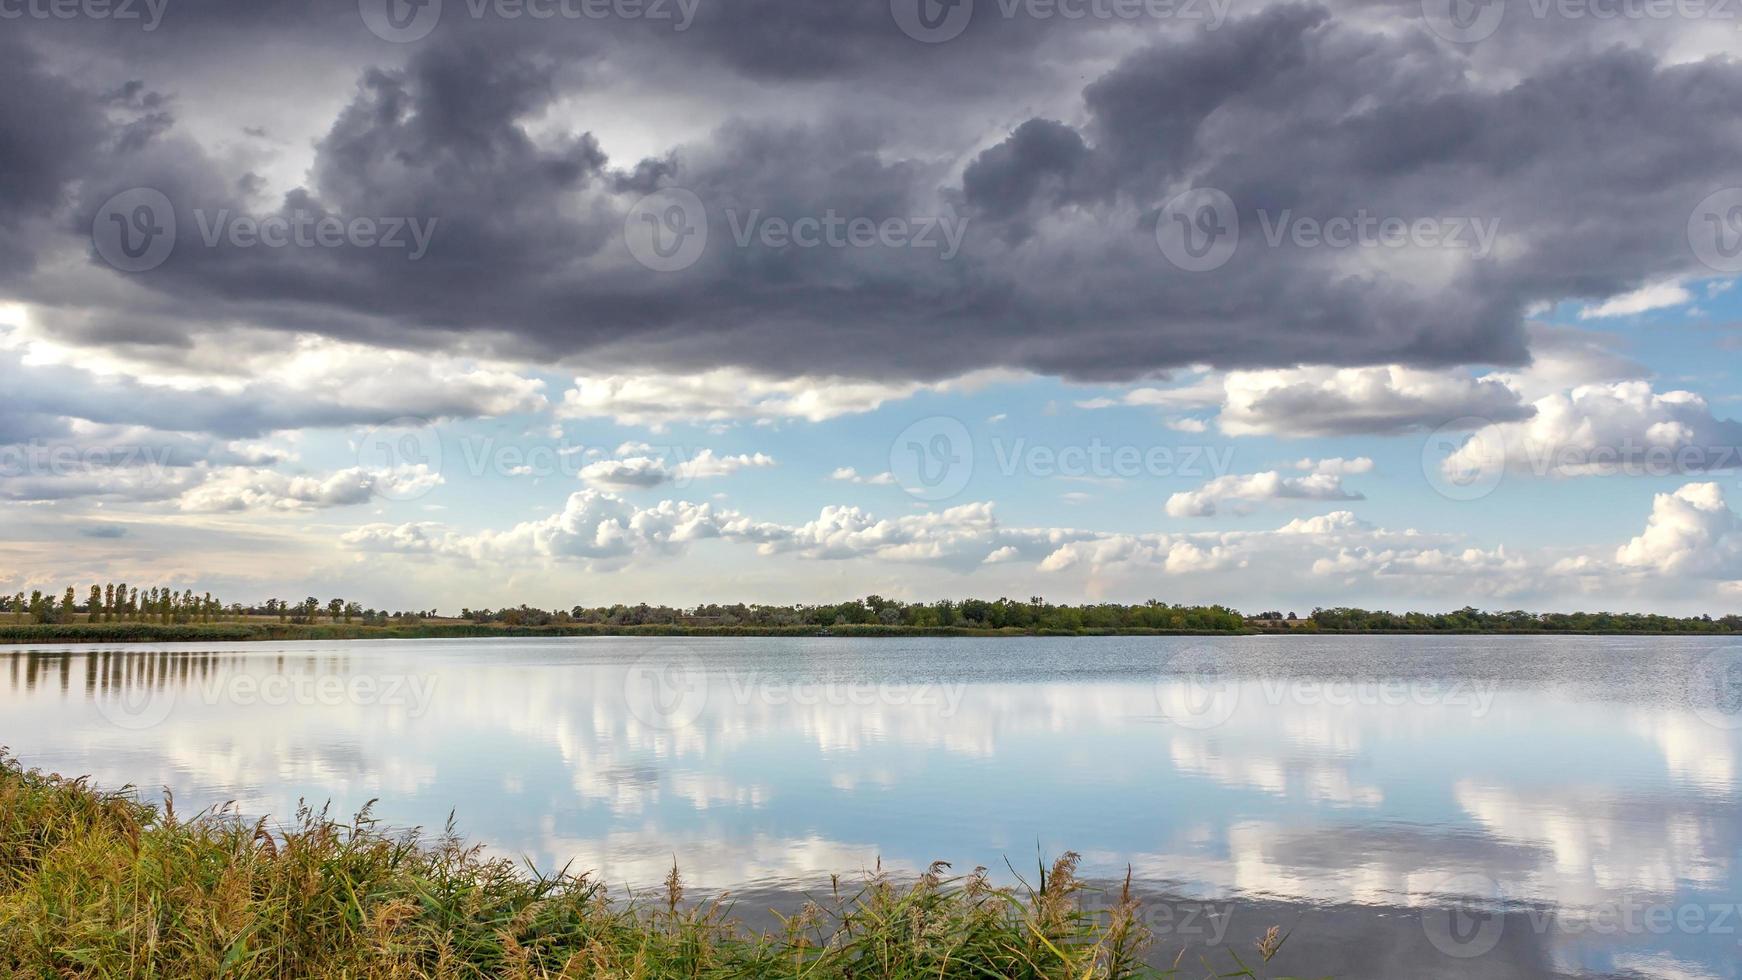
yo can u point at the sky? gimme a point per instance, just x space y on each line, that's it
444 303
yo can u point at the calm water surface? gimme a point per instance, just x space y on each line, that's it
1417 806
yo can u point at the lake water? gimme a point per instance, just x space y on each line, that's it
1412 806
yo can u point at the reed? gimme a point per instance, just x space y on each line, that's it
100 884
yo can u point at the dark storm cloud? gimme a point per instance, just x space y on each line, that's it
1590 160
47 128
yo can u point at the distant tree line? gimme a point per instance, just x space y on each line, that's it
1470 619
1036 614
310 610
114 603
121 603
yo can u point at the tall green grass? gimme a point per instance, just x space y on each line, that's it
100 884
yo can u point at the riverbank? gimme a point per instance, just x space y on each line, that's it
97 883
243 631
233 632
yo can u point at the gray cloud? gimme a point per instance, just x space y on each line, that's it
484 129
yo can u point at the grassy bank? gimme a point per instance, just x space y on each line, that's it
239 631
255 630
98 884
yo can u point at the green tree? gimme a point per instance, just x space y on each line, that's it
94 609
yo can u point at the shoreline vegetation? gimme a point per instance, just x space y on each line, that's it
117 613
96 883
243 632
